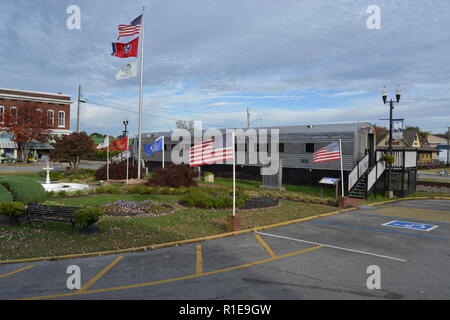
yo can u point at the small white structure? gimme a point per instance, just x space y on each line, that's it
61 186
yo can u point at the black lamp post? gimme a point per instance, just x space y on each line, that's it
391 104
125 123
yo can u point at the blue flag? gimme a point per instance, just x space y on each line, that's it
154 147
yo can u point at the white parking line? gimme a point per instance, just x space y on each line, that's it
330 246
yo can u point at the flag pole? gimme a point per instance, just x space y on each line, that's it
234 174
141 96
342 168
163 152
107 160
128 156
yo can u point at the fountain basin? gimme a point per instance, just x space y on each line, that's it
64 186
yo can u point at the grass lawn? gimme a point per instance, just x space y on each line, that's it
39 238
254 185
433 180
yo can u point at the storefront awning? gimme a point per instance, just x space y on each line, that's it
39 146
8 145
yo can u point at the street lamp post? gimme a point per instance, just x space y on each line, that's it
391 108
125 133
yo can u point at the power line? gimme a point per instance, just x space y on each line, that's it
147 114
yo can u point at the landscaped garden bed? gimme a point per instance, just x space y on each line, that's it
145 214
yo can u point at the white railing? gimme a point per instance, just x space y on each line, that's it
358 171
121 156
371 178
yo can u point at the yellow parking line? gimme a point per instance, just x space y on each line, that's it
192 276
14 272
199 261
100 274
266 246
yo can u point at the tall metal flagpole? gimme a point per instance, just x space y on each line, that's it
107 161
141 89
163 152
234 174
128 157
342 168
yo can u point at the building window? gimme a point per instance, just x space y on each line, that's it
61 119
13 114
281 147
2 114
309 148
51 117
39 116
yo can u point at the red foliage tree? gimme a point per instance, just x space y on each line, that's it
26 124
71 148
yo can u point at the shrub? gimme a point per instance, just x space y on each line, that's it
12 209
5 195
88 216
173 176
107 188
24 189
213 198
118 171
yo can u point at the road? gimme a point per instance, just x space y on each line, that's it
335 257
434 176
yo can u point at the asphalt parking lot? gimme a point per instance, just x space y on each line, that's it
326 258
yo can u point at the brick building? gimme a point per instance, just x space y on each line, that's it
53 107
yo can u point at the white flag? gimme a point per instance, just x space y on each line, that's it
104 144
127 71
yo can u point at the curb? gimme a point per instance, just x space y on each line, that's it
200 239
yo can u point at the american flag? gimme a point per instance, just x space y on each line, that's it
210 151
127 30
329 153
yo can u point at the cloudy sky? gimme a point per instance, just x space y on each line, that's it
288 61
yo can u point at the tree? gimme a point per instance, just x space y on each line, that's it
71 148
27 124
379 130
185 124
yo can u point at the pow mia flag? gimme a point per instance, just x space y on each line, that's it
127 71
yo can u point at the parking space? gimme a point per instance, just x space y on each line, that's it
324 258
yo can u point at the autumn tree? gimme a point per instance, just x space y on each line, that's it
26 124
71 148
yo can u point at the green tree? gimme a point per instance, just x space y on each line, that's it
71 148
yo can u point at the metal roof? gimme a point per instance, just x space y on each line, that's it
306 129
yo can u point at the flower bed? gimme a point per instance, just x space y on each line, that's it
134 208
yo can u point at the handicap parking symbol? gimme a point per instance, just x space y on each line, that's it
410 225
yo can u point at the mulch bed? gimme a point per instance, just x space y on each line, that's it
260 203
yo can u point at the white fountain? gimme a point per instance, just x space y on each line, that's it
60 186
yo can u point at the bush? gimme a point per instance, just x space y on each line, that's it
118 171
5 195
70 175
213 198
173 176
88 216
24 189
12 209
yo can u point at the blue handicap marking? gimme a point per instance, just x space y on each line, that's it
410 225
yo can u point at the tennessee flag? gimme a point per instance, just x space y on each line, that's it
126 50
121 144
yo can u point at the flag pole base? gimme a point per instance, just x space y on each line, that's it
233 223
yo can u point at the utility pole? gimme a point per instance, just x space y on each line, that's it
248 118
448 147
79 101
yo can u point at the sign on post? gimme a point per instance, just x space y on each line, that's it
330 181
